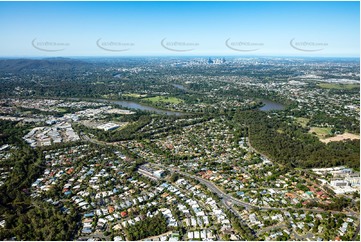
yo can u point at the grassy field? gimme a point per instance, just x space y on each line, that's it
338 86
320 132
61 110
133 95
302 121
162 99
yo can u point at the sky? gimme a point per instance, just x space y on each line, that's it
31 29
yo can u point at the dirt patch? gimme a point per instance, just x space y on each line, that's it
340 137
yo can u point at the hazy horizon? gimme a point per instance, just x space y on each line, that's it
315 29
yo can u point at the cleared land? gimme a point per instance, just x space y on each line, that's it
302 121
338 86
162 99
341 137
320 132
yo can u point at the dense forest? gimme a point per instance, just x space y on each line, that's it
294 146
150 226
28 218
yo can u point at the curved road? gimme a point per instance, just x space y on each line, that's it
212 187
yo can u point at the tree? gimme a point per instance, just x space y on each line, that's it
174 177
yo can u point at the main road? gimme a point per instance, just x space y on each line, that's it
226 197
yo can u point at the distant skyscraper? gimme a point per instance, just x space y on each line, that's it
216 61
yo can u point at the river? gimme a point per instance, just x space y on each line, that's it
181 87
271 106
134 105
